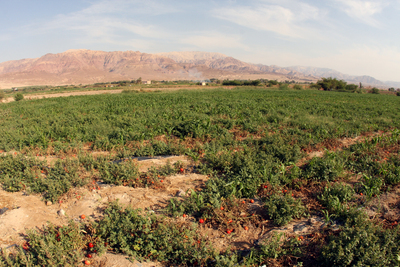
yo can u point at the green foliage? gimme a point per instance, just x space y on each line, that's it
363 245
351 87
398 93
370 186
283 209
342 192
375 91
331 84
122 172
53 246
327 168
297 87
18 97
2 96
242 82
19 173
143 236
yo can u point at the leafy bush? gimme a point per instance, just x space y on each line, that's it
298 87
342 192
370 186
283 209
327 168
363 245
375 90
398 93
145 236
53 246
18 97
2 96
329 84
121 172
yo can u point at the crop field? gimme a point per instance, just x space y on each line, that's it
229 177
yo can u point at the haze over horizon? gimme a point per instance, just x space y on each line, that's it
355 37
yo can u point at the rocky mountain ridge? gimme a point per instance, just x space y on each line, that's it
82 66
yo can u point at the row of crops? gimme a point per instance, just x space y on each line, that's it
249 142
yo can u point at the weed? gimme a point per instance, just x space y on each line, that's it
283 209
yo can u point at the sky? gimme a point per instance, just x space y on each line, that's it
354 37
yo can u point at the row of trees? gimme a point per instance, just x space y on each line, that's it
333 84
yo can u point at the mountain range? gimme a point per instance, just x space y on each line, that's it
84 66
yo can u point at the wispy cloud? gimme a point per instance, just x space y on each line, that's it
363 11
213 40
112 22
288 18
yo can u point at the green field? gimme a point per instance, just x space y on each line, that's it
253 143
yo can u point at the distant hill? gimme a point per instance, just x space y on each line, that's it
324 72
84 66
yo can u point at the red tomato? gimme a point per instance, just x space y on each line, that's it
201 221
83 216
91 245
87 262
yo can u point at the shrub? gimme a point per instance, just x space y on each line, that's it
18 97
343 192
151 237
327 168
52 246
363 245
375 90
398 93
119 172
298 87
329 84
2 96
370 185
283 87
283 209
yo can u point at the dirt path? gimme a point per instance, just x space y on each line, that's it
40 96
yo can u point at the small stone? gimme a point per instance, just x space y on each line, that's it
180 193
49 203
3 210
300 227
61 212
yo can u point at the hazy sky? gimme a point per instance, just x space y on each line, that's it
355 37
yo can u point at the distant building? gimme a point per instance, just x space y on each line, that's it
204 83
146 82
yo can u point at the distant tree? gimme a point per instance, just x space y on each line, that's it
315 86
272 82
351 87
138 81
398 93
297 87
330 84
391 89
375 90
2 96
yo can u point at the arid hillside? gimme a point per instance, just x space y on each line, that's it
86 66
